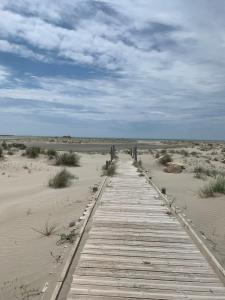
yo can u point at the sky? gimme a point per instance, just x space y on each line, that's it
109 68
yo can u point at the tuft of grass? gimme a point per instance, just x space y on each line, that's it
1 152
10 152
94 189
4 145
200 175
201 172
68 238
165 159
20 146
48 229
163 152
184 153
194 153
51 153
68 159
61 179
32 152
213 187
138 164
111 171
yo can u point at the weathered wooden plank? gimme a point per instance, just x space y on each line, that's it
145 224
120 265
208 279
136 220
146 284
139 294
151 244
140 253
139 230
139 237
153 250
148 233
154 262
153 214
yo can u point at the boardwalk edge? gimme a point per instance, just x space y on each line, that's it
209 255
75 246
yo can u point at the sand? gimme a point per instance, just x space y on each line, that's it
207 215
27 259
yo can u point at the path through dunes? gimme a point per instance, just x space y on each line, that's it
136 250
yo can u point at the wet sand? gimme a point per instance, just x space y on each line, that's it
27 259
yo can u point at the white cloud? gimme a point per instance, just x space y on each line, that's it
21 50
4 75
165 59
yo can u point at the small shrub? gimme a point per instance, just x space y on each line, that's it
10 152
138 164
201 172
184 153
172 151
215 186
163 151
61 179
214 153
18 145
200 175
68 159
157 155
68 238
194 153
4 145
94 189
1 152
32 152
110 171
165 159
51 153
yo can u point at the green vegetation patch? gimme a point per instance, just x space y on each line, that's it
216 186
109 170
32 152
61 180
68 159
165 159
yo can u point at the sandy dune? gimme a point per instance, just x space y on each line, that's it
27 202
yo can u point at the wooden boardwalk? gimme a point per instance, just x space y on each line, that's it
136 250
